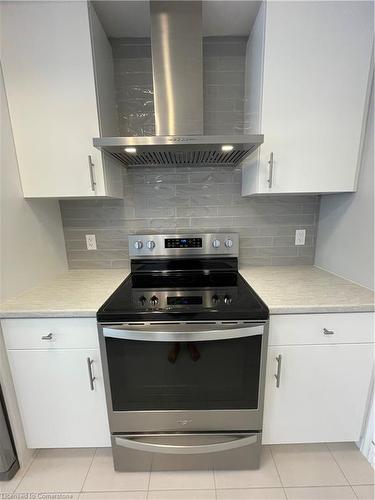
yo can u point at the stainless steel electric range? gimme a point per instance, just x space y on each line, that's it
183 342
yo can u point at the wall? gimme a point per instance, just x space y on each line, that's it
187 199
345 244
223 85
32 250
195 199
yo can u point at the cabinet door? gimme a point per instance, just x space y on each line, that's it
58 406
49 79
315 87
322 394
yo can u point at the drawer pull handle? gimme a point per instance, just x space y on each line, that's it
91 377
47 337
278 373
328 332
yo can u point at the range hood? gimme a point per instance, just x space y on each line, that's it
177 60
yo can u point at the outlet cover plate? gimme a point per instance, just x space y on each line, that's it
300 236
91 242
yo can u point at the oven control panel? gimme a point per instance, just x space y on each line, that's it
170 300
184 245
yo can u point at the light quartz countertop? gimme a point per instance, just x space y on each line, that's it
285 289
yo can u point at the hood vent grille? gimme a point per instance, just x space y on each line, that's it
181 158
179 151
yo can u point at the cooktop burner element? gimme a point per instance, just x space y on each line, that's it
183 278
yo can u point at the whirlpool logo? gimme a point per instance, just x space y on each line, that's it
180 139
185 421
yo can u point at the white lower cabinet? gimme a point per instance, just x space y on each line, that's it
323 389
59 405
62 405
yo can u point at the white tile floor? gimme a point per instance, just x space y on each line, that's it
289 472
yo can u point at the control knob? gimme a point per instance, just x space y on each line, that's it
151 245
227 300
228 243
215 299
138 245
216 243
142 300
154 300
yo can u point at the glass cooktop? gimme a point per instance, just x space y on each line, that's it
183 295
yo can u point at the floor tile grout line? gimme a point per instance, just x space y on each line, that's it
87 473
278 472
26 470
337 463
353 490
214 478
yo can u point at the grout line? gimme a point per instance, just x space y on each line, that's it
88 470
337 463
26 470
278 472
355 494
214 477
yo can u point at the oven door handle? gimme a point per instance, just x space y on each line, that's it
170 449
183 333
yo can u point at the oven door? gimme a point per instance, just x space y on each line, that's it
191 377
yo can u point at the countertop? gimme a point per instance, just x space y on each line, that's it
285 289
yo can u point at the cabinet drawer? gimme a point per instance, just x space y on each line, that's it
58 333
342 328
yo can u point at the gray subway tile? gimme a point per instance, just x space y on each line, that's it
212 176
211 221
291 261
257 241
254 261
96 254
88 264
173 201
200 197
170 223
196 211
155 212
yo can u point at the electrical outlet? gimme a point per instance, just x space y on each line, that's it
300 237
91 241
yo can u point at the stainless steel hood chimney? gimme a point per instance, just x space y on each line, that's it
177 60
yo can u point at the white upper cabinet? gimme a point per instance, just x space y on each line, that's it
58 85
307 79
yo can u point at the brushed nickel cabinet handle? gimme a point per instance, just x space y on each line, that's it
91 377
278 373
92 173
270 172
328 332
47 337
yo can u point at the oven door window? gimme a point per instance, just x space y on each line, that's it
208 375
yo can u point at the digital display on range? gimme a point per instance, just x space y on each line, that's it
182 301
183 243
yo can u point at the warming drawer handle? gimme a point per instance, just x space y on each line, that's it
173 333
169 449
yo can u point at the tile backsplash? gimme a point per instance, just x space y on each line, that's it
195 199
190 200
223 85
